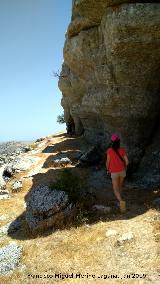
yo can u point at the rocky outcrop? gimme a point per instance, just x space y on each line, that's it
110 75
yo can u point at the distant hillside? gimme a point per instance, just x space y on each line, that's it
10 147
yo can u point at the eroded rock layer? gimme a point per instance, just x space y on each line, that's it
110 75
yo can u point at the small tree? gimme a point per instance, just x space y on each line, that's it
60 118
58 75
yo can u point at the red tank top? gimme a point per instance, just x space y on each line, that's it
115 164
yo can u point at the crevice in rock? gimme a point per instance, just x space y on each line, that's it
70 125
84 29
152 138
154 131
154 89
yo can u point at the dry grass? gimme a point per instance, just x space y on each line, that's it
85 249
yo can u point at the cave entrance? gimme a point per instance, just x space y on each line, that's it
70 126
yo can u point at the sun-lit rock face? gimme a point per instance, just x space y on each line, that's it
110 75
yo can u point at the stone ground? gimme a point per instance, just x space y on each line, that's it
98 246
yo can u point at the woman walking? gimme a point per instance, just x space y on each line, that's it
116 165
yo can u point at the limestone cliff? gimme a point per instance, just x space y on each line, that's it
110 75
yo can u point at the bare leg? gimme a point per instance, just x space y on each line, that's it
121 181
122 203
116 189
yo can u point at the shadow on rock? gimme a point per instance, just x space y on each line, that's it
70 143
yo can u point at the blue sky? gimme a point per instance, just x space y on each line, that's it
32 34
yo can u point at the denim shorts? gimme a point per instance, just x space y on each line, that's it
118 174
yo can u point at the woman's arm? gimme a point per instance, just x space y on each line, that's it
126 160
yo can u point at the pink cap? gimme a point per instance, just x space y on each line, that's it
114 137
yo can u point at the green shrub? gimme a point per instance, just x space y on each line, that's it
82 217
70 183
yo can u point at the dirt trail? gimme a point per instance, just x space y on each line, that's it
122 247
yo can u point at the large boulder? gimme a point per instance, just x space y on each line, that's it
109 77
47 208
